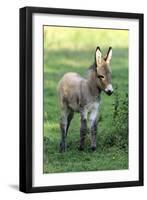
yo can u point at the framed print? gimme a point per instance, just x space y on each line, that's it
81 99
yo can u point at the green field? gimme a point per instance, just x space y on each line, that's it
72 50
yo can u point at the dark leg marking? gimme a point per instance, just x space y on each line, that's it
69 118
83 132
63 137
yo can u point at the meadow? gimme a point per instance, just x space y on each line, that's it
72 50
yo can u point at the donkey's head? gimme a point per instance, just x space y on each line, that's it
103 70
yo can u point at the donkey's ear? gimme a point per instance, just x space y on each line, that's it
98 56
109 55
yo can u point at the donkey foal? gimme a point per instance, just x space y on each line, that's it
78 94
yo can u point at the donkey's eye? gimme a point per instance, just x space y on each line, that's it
100 76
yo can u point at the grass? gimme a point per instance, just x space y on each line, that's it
69 50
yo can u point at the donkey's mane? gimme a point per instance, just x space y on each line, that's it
90 70
92 67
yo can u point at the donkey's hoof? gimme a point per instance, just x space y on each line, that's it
80 148
93 148
62 148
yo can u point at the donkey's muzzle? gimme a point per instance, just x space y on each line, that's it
109 89
109 92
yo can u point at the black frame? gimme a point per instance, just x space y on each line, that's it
26 98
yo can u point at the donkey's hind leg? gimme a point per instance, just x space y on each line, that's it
65 119
69 118
63 127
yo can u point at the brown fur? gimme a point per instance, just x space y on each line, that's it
75 91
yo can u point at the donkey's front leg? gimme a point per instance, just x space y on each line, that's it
93 127
83 130
93 134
